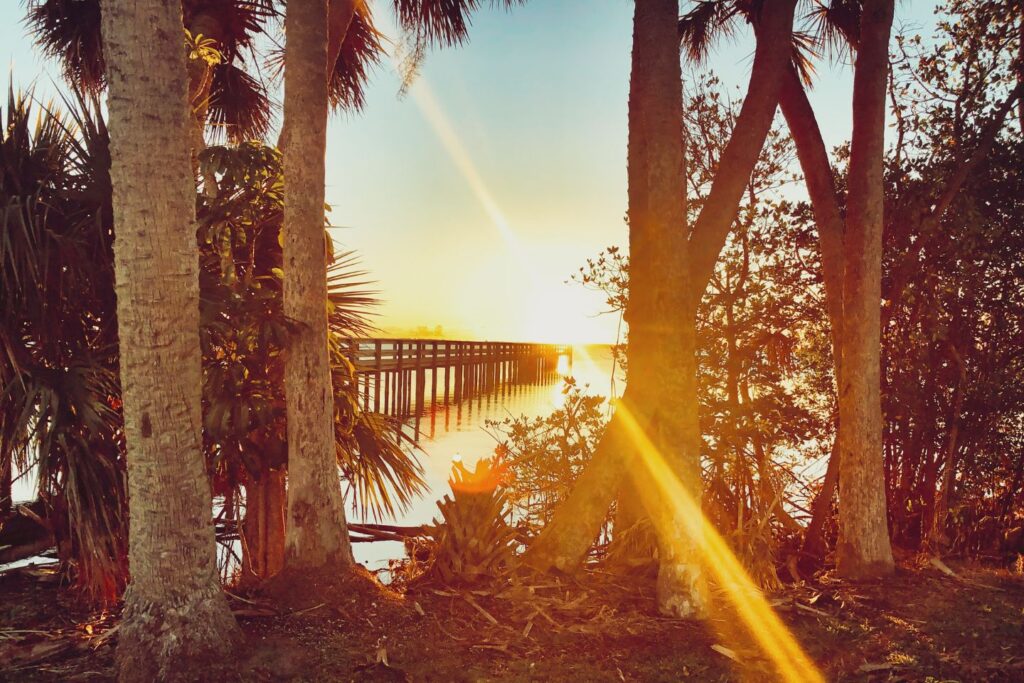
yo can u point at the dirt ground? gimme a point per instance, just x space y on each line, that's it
931 622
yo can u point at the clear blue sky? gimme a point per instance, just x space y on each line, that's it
474 198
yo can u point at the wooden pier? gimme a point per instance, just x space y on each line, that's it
393 373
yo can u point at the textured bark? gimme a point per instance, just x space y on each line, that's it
263 528
864 550
339 18
662 391
317 535
175 621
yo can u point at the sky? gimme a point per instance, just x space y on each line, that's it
474 197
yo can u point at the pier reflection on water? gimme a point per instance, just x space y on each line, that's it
443 430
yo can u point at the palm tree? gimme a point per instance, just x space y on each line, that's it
59 393
835 27
669 417
175 620
229 92
317 535
838 23
864 549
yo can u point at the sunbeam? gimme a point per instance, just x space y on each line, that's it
761 622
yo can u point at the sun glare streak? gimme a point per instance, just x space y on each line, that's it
435 116
761 622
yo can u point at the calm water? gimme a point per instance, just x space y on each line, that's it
460 430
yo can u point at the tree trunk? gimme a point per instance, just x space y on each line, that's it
813 548
674 432
317 535
661 397
263 529
864 549
937 538
175 622
818 177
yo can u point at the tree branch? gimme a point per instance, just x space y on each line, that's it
773 28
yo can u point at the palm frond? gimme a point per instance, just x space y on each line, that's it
361 50
835 25
69 31
240 108
703 25
350 297
441 22
805 52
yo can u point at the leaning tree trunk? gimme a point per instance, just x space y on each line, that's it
317 535
864 549
175 621
564 542
818 177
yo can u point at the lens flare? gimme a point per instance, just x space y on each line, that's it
761 622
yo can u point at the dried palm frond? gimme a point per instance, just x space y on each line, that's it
240 108
361 50
69 31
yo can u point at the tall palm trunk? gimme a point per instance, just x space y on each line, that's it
864 549
175 620
661 395
317 535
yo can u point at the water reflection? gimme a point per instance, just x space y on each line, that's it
445 431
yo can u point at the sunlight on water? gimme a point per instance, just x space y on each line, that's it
563 365
458 433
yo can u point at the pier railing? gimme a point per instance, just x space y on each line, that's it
393 372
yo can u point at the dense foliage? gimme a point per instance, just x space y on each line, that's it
59 387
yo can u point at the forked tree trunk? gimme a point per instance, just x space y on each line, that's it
864 550
317 535
175 622
661 396
263 528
